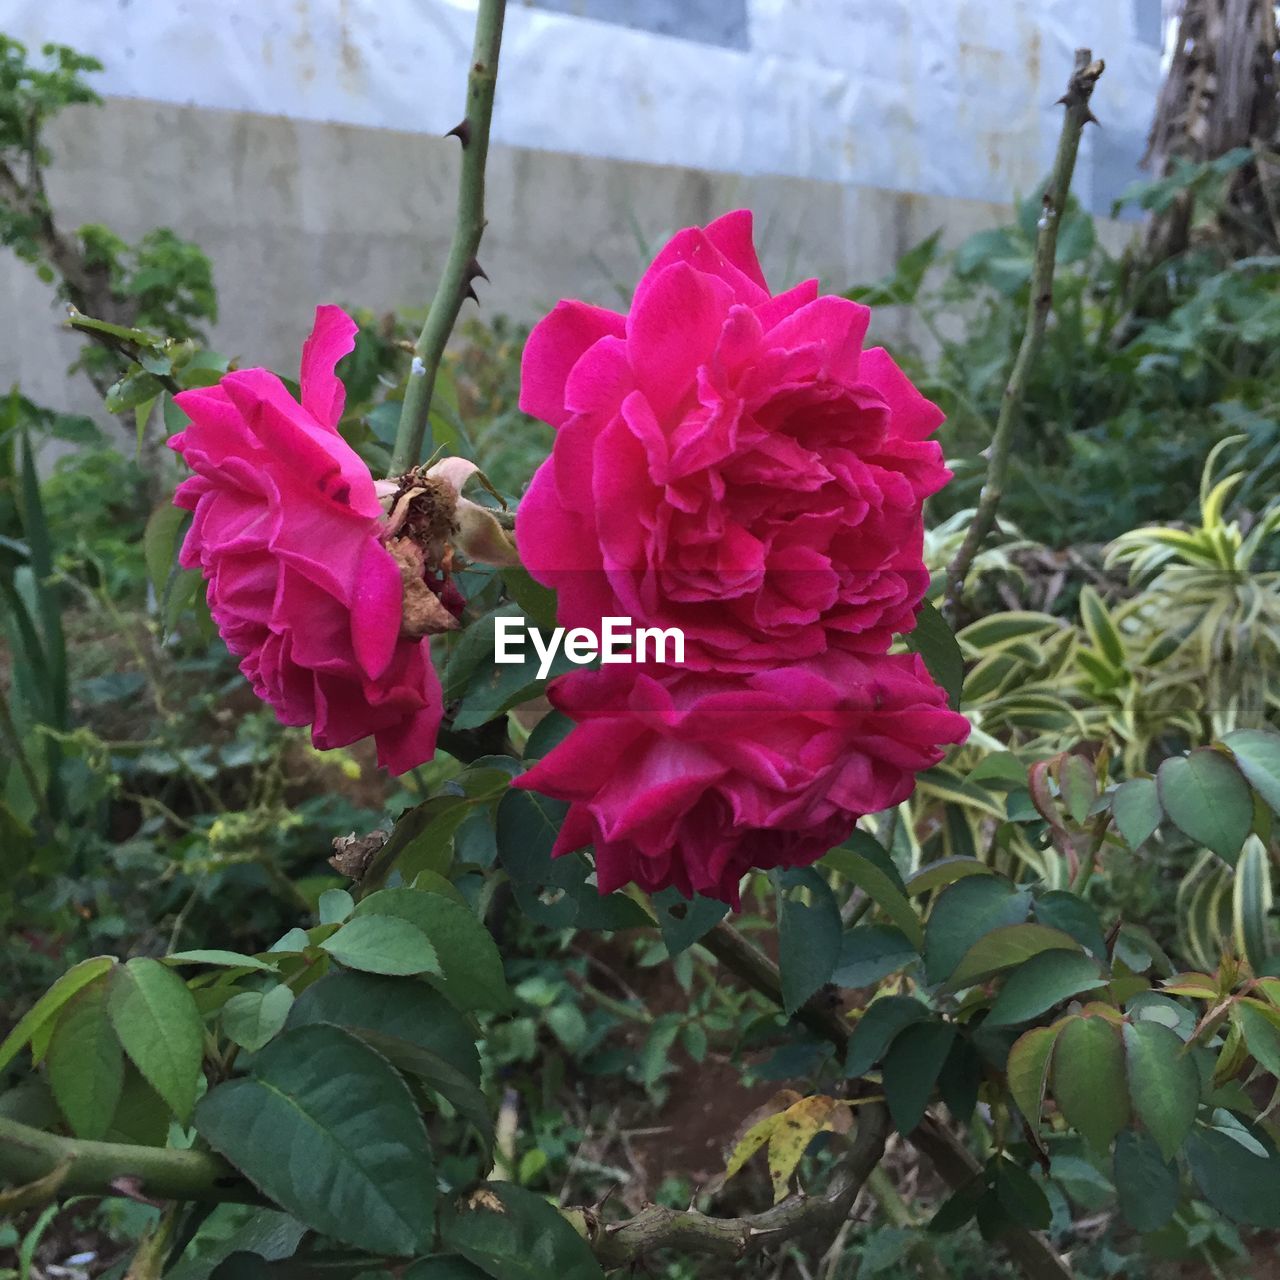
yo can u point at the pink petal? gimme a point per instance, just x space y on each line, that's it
316 456
912 416
836 325
332 337
556 344
376 610
673 329
732 235
411 740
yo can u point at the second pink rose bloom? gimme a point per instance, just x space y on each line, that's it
729 462
736 465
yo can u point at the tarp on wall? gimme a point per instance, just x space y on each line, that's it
941 97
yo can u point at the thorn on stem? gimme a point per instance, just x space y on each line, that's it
131 1188
461 131
469 292
474 271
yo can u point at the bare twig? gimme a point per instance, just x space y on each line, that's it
1076 116
655 1227
461 267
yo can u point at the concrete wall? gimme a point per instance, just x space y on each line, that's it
853 128
294 213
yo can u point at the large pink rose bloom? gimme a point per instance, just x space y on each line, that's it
692 779
729 462
287 532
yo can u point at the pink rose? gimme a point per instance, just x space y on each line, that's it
729 462
288 532
692 779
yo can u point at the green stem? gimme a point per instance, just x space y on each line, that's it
101 1168
1040 299
461 267
1090 860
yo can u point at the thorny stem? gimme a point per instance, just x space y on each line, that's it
104 1168
461 267
1076 116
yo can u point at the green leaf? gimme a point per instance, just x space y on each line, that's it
75 979
1243 1186
335 906
935 642
1146 1183
1020 1196
1164 1085
218 960
1257 756
1207 799
808 946
85 1063
1251 899
470 967
1102 630
1060 909
959 1207
1079 786
962 914
1136 809
863 862
326 1127
1009 945
492 688
683 921
937 875
537 601
252 1018
432 848
1088 1076
900 288
383 944
876 1029
141 1115
268 1234
1043 981
135 388
555 892
1028 1070
160 544
911 1069
870 952
404 1008
438 1075
548 733
1261 1032
159 1026
512 1234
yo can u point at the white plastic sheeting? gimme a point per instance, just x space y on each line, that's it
941 97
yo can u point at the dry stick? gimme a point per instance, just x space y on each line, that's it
654 1227
1076 116
461 267
1029 1249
